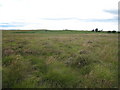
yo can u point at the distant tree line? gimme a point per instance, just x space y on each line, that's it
112 31
96 30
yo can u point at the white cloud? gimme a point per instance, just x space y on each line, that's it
34 11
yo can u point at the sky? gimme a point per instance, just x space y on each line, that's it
59 14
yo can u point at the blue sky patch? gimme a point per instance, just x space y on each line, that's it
7 25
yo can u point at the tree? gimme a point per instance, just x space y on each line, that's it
109 31
96 29
93 30
113 31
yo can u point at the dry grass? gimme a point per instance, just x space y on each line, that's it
48 60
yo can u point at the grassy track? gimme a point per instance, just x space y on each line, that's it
59 59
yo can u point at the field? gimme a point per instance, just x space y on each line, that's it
59 59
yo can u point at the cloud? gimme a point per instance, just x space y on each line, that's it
71 18
112 11
0 5
83 20
115 19
58 14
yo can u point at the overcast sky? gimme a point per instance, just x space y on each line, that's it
59 14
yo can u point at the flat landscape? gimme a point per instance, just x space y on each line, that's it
59 59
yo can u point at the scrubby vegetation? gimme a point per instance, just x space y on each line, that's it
59 59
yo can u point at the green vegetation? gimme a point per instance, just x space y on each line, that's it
60 59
